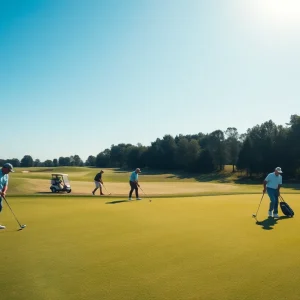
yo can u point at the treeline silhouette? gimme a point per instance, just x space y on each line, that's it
258 151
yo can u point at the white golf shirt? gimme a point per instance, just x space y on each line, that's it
273 181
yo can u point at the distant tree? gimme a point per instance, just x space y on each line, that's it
76 161
64 161
14 161
135 156
246 157
27 161
91 161
216 147
118 154
205 162
181 153
48 163
103 159
232 145
37 163
55 162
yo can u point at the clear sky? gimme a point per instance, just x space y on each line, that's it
77 76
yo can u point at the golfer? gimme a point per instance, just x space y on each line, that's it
98 182
134 184
4 183
272 185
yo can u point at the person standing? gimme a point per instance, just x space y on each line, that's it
272 184
98 182
134 184
6 169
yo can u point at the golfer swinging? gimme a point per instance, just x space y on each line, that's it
134 184
98 182
272 185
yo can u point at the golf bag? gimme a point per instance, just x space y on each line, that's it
285 208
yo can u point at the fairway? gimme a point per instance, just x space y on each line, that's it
37 182
172 248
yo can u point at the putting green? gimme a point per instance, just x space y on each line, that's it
172 248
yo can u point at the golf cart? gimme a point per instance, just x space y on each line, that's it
60 183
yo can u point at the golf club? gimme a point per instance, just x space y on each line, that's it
255 215
106 190
21 226
145 194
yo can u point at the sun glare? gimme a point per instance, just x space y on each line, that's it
276 14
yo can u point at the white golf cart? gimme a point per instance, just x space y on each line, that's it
60 183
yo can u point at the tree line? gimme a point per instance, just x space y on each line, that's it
258 151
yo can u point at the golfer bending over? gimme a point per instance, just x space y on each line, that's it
272 185
134 184
4 183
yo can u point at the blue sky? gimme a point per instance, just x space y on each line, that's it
79 76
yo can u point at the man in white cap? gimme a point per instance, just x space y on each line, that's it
134 184
272 185
6 169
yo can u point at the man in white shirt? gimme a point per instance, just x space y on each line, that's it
272 185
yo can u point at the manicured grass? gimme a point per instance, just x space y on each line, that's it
37 181
172 248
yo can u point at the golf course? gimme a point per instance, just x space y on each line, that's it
196 239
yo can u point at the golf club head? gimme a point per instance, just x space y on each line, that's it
254 216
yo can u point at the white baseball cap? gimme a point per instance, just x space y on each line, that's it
278 169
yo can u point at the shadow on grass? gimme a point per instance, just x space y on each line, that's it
116 201
269 223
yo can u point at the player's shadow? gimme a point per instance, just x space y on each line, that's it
269 223
116 201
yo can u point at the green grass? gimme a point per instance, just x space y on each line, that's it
172 248
186 247
37 181
119 175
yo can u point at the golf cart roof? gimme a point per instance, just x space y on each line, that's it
60 174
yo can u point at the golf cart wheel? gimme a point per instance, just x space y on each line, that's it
69 191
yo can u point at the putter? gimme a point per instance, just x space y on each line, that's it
106 190
145 194
255 215
21 226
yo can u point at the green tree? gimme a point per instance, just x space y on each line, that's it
91 161
55 162
232 145
217 148
27 161
48 163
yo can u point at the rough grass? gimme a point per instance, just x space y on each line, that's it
180 248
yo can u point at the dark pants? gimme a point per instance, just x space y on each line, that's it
133 186
0 204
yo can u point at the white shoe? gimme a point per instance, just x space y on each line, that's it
270 214
129 199
138 198
2 227
276 216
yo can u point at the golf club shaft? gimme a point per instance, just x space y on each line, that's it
106 189
259 204
144 193
12 212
